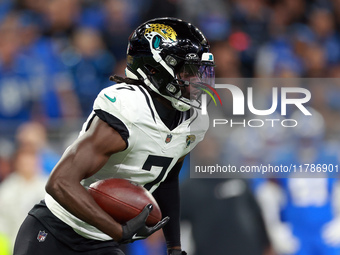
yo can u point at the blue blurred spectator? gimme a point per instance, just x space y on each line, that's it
90 63
50 84
15 91
120 19
250 23
228 61
284 52
212 17
301 212
61 17
33 136
215 26
321 22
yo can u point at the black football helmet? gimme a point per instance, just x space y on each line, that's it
168 54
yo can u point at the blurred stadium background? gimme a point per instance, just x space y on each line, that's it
56 55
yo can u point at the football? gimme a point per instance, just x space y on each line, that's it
124 200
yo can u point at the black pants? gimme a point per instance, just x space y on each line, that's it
35 239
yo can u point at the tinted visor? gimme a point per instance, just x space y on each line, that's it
201 79
197 73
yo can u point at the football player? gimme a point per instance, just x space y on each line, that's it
302 210
140 129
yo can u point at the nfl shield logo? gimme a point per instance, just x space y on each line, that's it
168 138
42 236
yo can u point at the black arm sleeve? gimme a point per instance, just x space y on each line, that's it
167 197
115 123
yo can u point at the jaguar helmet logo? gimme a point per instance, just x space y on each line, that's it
160 31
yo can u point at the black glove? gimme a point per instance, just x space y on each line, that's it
176 252
135 229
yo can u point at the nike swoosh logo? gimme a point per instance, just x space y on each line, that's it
110 98
136 237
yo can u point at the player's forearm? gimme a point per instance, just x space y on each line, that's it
74 198
64 186
167 197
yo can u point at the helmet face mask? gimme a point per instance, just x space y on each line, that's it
171 57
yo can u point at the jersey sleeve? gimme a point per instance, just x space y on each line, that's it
110 106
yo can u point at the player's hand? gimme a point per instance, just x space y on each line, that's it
136 229
176 252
